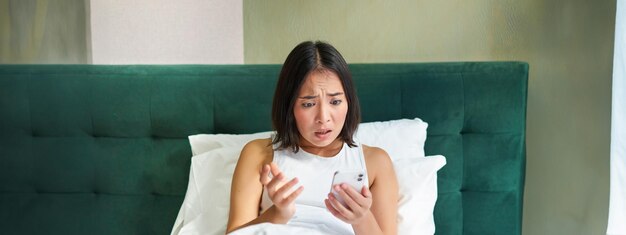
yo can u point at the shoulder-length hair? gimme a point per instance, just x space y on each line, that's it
302 60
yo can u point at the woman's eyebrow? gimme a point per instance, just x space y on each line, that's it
308 97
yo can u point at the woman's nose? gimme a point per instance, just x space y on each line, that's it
323 114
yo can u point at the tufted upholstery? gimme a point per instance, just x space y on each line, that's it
95 149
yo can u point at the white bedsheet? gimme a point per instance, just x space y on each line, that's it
307 220
269 228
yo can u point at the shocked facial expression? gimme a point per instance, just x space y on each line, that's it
320 109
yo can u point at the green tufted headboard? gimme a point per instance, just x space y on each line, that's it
101 149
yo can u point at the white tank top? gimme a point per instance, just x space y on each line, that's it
315 173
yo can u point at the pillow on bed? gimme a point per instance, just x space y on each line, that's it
417 185
400 138
203 143
206 204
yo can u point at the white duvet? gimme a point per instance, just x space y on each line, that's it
311 220
269 228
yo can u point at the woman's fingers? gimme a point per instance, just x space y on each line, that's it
282 191
292 197
354 204
283 197
266 169
278 190
273 184
340 208
362 199
334 211
265 177
274 169
350 197
334 202
366 192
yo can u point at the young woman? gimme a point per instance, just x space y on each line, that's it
315 114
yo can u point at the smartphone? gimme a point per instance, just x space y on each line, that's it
356 179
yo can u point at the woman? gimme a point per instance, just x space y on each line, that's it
315 114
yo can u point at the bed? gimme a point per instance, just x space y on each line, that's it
103 149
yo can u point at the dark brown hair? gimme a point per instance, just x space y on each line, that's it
304 58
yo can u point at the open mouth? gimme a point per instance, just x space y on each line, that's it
322 134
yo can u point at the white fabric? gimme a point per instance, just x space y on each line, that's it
316 174
313 220
617 204
417 183
271 229
400 138
203 143
206 204
415 206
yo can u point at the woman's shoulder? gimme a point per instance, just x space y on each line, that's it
375 156
375 152
259 149
259 143
379 164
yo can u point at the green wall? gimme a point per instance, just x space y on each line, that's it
568 44
43 32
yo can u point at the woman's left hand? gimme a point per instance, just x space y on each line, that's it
357 205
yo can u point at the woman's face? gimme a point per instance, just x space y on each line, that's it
320 109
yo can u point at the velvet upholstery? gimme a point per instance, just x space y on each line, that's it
102 149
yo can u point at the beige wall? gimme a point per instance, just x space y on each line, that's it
121 32
42 32
166 31
568 44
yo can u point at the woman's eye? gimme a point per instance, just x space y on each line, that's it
335 102
308 105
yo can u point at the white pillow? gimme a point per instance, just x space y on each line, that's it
417 184
400 138
206 204
202 143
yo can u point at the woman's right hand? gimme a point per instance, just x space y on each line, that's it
279 190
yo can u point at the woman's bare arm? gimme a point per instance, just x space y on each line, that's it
246 188
251 177
371 210
384 190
